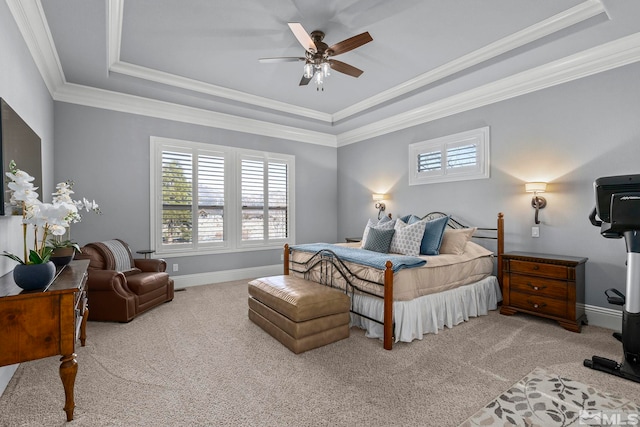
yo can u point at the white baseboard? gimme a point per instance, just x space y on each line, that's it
604 317
188 280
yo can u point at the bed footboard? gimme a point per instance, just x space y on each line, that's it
325 259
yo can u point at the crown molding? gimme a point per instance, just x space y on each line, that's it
149 74
31 21
34 28
556 23
114 29
115 11
115 101
560 21
607 56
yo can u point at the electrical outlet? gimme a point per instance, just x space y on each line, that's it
281 257
175 267
535 231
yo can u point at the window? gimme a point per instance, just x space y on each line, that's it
207 198
456 157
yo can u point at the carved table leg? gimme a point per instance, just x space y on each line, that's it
68 371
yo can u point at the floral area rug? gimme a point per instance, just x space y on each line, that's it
542 399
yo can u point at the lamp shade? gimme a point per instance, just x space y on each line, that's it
535 187
378 196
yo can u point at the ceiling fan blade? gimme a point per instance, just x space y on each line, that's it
281 59
349 44
303 37
347 69
305 81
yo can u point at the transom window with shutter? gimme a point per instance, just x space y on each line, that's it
456 157
209 198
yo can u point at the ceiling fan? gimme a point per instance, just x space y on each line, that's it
317 59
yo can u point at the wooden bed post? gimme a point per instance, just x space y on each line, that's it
388 306
286 259
500 247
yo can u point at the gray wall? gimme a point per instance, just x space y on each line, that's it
24 90
106 154
568 135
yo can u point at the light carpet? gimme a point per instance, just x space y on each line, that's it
199 361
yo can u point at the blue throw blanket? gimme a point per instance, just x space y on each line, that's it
364 257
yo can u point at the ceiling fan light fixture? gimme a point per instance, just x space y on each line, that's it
326 69
319 79
308 70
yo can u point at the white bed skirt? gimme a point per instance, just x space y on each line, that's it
429 313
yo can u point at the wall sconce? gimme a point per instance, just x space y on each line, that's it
537 201
379 205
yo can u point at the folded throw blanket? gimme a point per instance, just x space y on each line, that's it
362 256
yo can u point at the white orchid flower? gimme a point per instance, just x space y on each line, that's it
56 230
52 218
20 177
23 192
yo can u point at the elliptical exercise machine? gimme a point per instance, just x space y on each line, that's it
618 210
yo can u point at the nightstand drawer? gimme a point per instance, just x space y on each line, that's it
539 269
539 286
538 304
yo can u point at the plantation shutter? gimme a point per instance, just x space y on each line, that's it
253 191
265 209
278 201
210 198
177 197
462 156
457 157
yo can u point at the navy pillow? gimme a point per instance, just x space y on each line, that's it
432 237
379 240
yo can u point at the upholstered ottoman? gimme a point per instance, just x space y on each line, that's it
299 313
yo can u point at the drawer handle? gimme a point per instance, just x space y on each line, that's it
536 305
536 267
535 287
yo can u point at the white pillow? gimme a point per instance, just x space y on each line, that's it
454 241
407 238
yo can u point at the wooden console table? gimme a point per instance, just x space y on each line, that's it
38 324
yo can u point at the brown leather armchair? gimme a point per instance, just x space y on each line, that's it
121 287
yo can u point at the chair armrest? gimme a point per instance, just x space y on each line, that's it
108 281
151 265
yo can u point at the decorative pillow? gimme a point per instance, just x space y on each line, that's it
407 239
454 241
379 240
413 219
387 225
405 218
432 238
383 220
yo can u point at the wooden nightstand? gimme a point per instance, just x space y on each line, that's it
550 286
353 239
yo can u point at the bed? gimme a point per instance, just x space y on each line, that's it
398 297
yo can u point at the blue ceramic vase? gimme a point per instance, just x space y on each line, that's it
31 277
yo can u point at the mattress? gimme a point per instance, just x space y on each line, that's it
440 273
